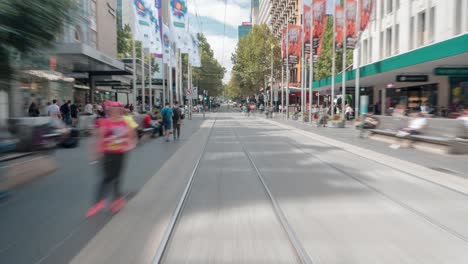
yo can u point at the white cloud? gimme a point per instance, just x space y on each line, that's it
237 11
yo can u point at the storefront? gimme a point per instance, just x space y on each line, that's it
413 97
41 87
458 93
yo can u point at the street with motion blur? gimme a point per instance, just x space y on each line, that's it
239 189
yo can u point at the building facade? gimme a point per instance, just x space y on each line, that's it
282 13
262 14
400 29
244 29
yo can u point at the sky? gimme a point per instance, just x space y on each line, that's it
218 20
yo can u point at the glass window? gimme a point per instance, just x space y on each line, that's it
411 36
382 55
93 39
370 50
364 51
92 14
458 16
388 42
397 4
382 8
432 24
77 34
421 28
397 39
389 6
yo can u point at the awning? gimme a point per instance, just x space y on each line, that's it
83 87
49 75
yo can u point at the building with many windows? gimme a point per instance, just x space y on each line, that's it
283 12
244 29
261 12
413 52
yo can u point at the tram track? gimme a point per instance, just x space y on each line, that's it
296 246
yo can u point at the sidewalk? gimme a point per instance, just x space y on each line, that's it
452 164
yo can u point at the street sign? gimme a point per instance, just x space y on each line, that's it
412 78
451 71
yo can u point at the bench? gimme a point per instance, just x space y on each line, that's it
141 128
440 135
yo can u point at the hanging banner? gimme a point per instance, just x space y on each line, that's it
307 27
339 26
283 43
194 56
319 16
178 14
142 30
166 39
155 37
366 7
294 41
351 32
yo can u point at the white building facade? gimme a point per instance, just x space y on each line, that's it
262 14
427 38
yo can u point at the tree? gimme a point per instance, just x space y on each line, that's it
252 60
210 76
323 66
125 42
232 89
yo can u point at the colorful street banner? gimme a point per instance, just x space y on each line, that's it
194 55
307 27
339 26
294 41
155 37
366 7
179 16
351 33
142 30
319 16
166 41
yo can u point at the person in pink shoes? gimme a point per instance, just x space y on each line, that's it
115 138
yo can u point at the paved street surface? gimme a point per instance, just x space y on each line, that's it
257 191
43 222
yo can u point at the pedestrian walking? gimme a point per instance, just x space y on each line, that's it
74 113
66 112
176 120
166 113
115 138
88 109
53 110
33 110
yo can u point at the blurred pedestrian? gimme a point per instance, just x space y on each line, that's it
53 110
88 109
33 110
166 113
176 120
115 138
74 113
66 113
463 124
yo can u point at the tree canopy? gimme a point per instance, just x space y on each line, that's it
252 62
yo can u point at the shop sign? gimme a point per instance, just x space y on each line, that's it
451 71
122 87
412 78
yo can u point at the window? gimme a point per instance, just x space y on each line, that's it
397 39
389 6
77 34
92 14
382 55
397 4
432 24
382 8
93 42
370 50
458 16
364 51
411 36
388 42
421 28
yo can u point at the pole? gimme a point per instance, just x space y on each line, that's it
142 79
357 88
287 71
302 61
134 72
311 65
150 84
343 74
181 84
170 86
177 75
271 82
282 89
333 63
163 85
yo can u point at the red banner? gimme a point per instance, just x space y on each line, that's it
351 32
366 8
307 25
339 26
319 15
294 40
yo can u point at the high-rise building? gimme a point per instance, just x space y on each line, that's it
283 12
261 14
244 29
